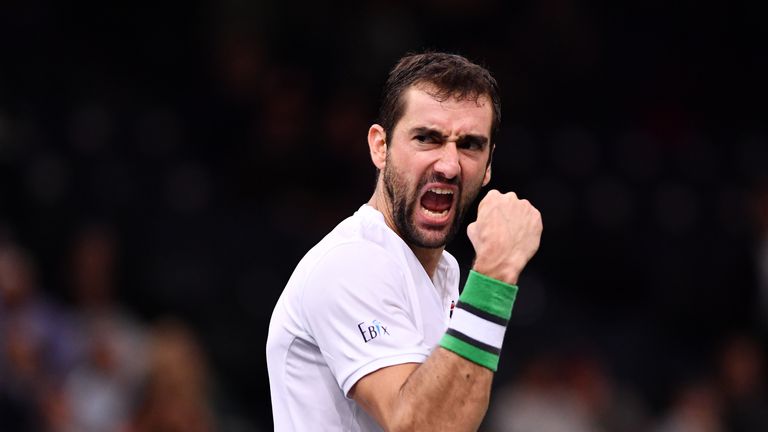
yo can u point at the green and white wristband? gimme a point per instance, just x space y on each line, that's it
477 328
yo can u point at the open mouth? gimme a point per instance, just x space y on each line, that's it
437 202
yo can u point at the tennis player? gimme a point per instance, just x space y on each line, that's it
370 332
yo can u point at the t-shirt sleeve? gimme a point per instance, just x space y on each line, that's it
357 308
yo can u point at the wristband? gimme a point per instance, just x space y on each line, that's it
477 328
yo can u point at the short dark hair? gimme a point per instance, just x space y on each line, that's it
451 75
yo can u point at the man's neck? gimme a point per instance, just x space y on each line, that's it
428 257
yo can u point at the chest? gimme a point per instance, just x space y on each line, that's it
432 301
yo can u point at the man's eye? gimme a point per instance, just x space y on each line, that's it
471 145
425 138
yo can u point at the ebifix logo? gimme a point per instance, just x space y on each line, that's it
372 331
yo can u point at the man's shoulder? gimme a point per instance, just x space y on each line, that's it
342 267
350 253
364 232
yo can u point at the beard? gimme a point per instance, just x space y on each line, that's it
405 202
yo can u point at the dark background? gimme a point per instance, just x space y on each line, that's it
223 139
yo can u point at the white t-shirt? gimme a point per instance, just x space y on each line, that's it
358 301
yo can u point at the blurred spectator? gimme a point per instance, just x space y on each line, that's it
697 408
611 406
101 389
37 343
565 393
539 401
742 381
176 397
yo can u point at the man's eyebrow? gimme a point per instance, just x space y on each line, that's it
428 131
480 140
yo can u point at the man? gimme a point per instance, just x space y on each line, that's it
365 335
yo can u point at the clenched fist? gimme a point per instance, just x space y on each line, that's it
505 235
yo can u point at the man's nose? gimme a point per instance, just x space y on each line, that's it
448 163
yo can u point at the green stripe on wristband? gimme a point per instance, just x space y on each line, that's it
470 352
488 294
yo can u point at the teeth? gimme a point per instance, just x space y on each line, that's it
434 214
441 191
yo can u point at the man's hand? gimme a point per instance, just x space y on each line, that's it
505 235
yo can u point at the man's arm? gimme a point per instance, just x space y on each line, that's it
445 393
449 392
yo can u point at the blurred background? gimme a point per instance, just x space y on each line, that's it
163 167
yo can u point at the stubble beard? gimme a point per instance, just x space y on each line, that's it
404 203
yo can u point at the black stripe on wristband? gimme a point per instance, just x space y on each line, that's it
476 343
482 314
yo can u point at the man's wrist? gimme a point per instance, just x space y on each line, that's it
476 331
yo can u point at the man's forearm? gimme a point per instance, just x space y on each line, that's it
445 393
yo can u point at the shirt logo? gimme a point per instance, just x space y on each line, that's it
372 331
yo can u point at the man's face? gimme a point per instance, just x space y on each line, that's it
437 161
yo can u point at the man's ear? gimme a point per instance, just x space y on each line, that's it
487 177
377 144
